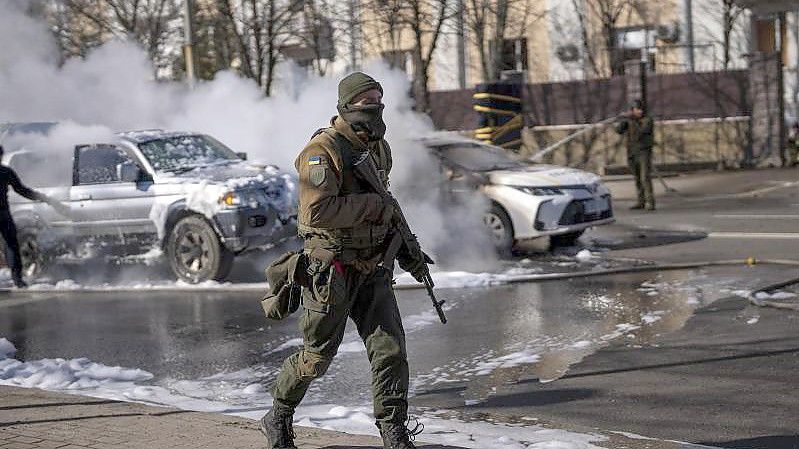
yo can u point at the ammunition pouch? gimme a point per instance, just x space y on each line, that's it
286 276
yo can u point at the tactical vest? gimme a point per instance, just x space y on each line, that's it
349 244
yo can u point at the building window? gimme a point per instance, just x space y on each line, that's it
514 54
630 44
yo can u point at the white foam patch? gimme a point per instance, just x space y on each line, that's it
7 349
465 279
652 317
234 394
584 255
775 295
442 279
62 374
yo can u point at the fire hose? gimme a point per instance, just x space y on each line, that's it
549 149
639 269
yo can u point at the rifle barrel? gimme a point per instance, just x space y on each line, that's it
428 284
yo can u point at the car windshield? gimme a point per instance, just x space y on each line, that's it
477 157
181 153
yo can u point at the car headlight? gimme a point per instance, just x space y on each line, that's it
230 199
539 191
250 198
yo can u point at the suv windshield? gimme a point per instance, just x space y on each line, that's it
476 157
181 153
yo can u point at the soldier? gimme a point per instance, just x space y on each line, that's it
638 130
344 224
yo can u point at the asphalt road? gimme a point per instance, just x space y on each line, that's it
664 355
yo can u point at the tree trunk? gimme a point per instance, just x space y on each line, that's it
727 31
420 78
498 44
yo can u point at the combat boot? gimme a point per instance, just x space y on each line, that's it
398 436
277 428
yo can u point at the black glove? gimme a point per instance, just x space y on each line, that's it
417 266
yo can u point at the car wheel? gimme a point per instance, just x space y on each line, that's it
564 240
33 259
196 253
500 229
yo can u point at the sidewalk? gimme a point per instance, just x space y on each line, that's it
31 418
37 419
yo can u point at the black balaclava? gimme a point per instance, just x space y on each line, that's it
366 118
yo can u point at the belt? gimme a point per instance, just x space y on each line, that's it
368 237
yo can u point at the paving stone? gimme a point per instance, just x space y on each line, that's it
98 424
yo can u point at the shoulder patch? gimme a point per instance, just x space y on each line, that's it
318 175
315 160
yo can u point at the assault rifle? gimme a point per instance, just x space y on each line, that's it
402 235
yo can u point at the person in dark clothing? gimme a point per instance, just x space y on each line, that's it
7 227
638 131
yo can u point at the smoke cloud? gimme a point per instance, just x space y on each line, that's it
113 89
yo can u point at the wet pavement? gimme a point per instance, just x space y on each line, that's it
494 336
648 353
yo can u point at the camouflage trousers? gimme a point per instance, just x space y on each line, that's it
641 168
368 299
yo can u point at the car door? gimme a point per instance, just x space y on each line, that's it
103 204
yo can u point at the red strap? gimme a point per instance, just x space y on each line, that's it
338 266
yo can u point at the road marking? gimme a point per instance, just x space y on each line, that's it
754 235
759 217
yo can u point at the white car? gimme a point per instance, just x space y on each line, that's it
528 201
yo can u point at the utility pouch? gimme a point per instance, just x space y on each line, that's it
286 276
326 283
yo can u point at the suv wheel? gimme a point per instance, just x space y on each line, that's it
33 260
196 253
564 240
500 228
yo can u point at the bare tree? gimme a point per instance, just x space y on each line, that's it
76 35
424 22
386 24
721 22
609 13
490 22
317 34
260 28
426 19
150 22
731 12
215 47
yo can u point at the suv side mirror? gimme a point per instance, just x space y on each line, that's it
242 156
128 172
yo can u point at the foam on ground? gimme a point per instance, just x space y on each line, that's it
230 393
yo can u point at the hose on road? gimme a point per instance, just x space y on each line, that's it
654 267
640 269
771 303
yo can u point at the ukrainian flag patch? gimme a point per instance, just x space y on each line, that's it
314 160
